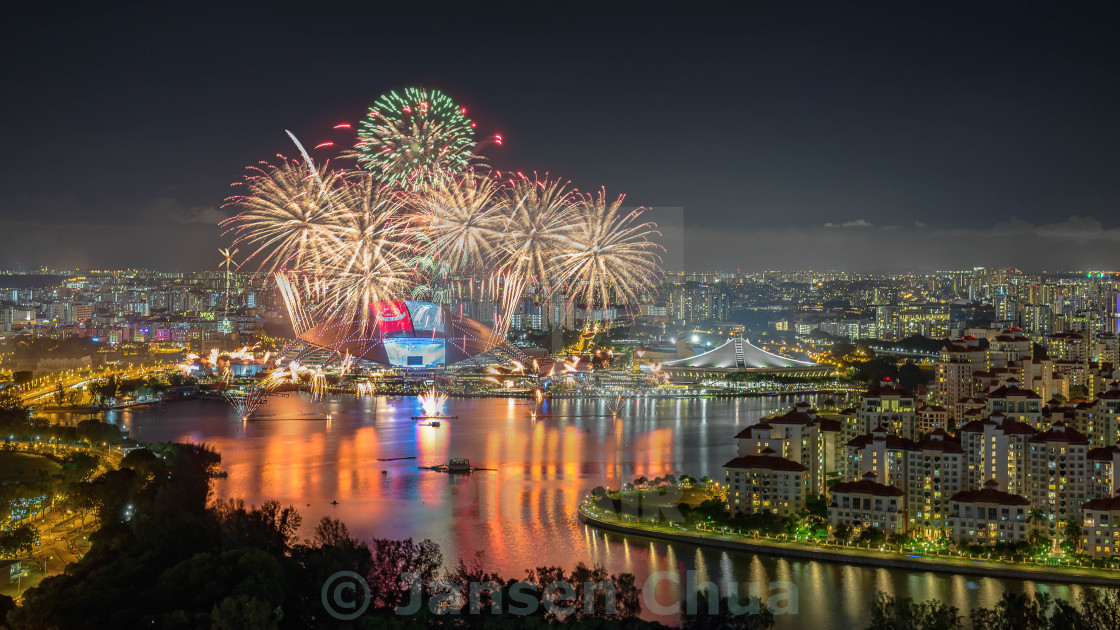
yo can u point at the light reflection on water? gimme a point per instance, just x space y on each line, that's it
523 513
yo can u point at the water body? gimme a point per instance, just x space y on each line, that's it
523 513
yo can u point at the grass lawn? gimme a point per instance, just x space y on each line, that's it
18 467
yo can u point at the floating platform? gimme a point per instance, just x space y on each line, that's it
434 417
457 466
393 459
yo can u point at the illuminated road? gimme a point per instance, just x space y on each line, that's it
44 387
63 537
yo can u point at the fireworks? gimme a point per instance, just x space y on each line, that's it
610 257
286 215
535 232
318 385
345 364
537 228
419 220
415 136
369 258
246 402
432 402
463 220
615 403
218 363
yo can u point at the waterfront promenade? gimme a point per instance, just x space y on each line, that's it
957 565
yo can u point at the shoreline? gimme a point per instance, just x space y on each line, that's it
861 558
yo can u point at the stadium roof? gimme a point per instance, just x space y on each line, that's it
409 334
738 353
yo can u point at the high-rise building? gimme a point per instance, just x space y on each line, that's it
1058 475
996 448
935 472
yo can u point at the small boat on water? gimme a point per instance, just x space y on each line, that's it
457 465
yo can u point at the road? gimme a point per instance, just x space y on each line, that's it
45 386
63 538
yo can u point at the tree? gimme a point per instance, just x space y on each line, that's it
330 532
392 559
19 540
1071 533
842 348
95 432
78 466
724 618
1038 542
7 604
842 533
872 537
1035 517
106 389
900 539
902 613
1015 610
10 400
911 376
1100 609
59 395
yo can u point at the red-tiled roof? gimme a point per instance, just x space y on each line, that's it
989 495
938 441
826 424
1008 392
765 462
1103 453
866 486
1059 432
1110 504
889 389
746 433
892 441
1009 427
1110 394
792 417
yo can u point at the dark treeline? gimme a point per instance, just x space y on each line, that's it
166 557
1097 609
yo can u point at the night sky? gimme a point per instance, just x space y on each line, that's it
782 136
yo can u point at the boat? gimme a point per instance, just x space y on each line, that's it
459 465
434 423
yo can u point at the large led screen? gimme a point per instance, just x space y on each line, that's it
425 316
391 317
414 353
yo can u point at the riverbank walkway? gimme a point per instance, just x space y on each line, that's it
957 565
